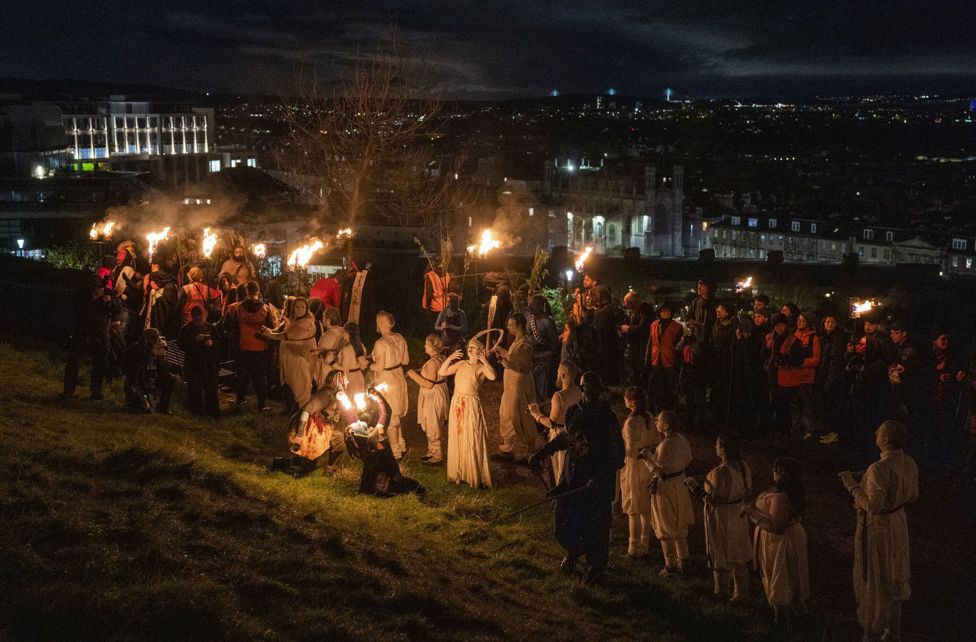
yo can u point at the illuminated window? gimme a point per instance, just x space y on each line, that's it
795 226
772 223
889 236
736 220
868 235
955 261
753 222
969 263
813 228
252 162
215 166
959 244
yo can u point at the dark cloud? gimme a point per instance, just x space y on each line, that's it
508 48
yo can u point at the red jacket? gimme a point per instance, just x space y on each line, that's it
803 344
662 347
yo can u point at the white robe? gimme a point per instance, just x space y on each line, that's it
727 540
635 478
782 557
518 391
389 357
671 505
881 558
467 441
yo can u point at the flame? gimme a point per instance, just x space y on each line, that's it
154 238
743 285
581 259
101 230
259 250
360 400
344 400
382 387
861 307
486 244
209 242
344 233
301 256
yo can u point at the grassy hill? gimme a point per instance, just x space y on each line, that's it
124 526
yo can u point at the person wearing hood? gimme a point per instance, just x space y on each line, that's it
200 343
297 350
160 298
251 316
584 497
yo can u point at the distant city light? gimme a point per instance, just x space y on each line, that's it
667 94
554 93
570 167
20 244
611 92
38 171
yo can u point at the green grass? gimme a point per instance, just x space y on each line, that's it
126 527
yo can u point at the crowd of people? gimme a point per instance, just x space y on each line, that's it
740 373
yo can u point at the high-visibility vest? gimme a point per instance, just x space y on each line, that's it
438 288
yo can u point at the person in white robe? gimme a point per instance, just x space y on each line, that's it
567 396
352 360
432 399
670 497
390 355
329 344
781 541
467 441
296 353
881 554
639 435
518 392
727 540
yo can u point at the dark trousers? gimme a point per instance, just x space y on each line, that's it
202 380
99 362
663 388
583 526
253 366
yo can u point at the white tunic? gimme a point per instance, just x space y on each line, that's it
671 504
881 559
389 357
782 556
557 417
727 540
349 364
635 478
518 392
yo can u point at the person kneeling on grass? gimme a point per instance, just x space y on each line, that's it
315 430
584 496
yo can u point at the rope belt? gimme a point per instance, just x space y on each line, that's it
667 476
434 381
396 367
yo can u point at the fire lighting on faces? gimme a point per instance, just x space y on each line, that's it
487 242
581 259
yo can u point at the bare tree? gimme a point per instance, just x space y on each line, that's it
368 144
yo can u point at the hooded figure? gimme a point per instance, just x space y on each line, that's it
584 498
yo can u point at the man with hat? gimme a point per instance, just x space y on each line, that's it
584 497
702 308
663 359
871 390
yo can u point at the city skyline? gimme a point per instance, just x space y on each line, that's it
508 50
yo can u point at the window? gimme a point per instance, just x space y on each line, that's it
252 162
795 226
736 220
531 211
215 166
868 235
813 228
887 255
955 261
959 244
969 263
874 252
889 236
753 222
235 162
772 223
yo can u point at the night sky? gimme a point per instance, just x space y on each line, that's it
499 49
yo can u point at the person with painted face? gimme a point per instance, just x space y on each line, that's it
238 266
297 351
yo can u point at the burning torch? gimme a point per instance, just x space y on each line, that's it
299 259
101 233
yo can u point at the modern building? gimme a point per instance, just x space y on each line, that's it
32 142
